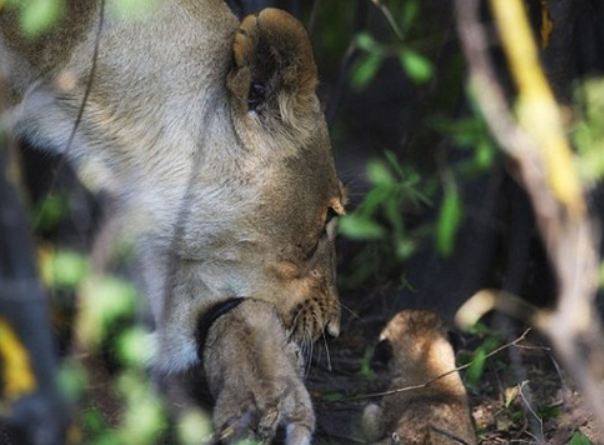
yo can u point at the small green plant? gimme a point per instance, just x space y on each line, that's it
416 66
379 219
578 438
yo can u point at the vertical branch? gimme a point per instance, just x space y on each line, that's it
535 141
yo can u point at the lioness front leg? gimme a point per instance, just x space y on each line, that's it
254 374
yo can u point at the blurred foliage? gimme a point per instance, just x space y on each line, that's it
477 359
373 52
50 211
37 16
588 133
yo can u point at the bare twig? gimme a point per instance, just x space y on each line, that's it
445 374
80 114
537 144
391 21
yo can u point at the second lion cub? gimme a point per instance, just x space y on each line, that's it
437 414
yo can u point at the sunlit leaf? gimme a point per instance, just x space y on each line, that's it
134 347
64 269
103 299
449 219
38 16
379 174
365 70
144 417
366 42
360 228
418 68
476 368
194 427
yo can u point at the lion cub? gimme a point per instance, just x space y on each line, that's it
434 415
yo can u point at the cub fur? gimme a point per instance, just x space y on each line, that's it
437 414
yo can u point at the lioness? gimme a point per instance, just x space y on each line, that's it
210 132
435 414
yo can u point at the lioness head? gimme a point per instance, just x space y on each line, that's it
277 115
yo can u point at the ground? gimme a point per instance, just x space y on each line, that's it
521 396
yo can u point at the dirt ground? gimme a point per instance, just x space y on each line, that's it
522 397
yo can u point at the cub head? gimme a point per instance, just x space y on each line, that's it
418 338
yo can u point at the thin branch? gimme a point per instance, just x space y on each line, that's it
79 116
391 21
536 142
445 374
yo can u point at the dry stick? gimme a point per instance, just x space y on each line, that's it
445 374
80 114
543 161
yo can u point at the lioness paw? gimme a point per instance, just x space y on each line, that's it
254 376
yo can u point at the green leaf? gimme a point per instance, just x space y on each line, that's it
476 368
65 269
578 438
379 174
365 70
418 68
103 300
194 427
484 154
365 371
38 16
410 10
366 42
134 346
449 219
50 211
72 379
359 228
404 249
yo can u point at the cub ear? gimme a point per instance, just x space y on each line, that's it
382 353
274 69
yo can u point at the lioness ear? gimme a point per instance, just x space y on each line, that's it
274 69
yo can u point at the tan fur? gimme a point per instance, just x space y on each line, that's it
421 352
223 200
266 388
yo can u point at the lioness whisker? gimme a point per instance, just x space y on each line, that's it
353 313
329 368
